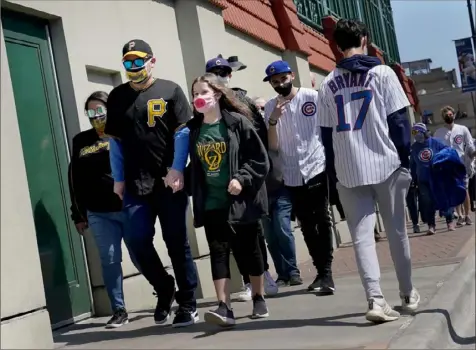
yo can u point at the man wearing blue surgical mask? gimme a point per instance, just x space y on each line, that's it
143 115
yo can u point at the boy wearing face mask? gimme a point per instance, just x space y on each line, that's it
422 152
293 131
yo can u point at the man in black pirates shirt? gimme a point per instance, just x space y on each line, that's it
143 114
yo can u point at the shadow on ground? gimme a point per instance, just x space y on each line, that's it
207 330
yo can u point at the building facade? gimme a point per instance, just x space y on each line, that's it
437 88
54 54
377 14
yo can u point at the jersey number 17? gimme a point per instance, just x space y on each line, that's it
342 124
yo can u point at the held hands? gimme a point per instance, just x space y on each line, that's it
81 227
234 187
119 189
174 180
279 108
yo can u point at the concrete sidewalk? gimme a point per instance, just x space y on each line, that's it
298 320
301 320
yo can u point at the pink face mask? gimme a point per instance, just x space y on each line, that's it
204 104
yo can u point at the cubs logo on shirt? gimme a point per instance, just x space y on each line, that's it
308 109
425 155
458 139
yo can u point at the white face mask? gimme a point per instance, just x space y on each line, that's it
223 80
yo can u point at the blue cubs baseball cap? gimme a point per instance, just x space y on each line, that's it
277 67
217 62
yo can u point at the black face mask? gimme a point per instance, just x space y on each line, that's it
449 120
285 89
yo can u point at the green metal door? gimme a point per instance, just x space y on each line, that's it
46 161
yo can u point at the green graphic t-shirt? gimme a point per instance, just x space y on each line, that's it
212 150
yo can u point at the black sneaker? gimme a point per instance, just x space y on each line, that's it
315 284
295 281
282 283
119 319
222 316
184 318
260 310
165 300
325 286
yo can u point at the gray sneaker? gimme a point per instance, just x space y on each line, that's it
260 310
468 220
460 221
416 228
379 311
410 302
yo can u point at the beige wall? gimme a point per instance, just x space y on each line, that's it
318 75
256 56
22 283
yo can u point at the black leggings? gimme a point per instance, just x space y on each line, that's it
242 239
264 254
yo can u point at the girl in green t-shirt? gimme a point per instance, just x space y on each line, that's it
226 178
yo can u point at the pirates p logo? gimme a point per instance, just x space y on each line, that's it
131 45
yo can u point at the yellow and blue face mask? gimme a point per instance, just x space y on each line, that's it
136 69
97 118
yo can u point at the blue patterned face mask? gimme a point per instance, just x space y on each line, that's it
420 137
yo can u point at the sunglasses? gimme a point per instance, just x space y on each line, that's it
98 112
415 132
137 62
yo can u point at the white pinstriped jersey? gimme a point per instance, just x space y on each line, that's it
356 106
299 138
459 138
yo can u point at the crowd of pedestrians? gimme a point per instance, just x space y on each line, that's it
249 166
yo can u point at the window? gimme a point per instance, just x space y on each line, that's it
310 12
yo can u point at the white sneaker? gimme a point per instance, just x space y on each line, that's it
270 286
410 303
245 294
379 311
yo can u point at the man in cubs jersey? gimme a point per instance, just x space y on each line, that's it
294 133
459 138
362 113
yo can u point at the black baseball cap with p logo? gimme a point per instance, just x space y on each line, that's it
137 48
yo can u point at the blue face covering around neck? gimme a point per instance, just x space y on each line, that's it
420 137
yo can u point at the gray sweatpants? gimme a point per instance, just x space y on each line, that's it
359 208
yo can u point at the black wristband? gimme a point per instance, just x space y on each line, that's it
273 122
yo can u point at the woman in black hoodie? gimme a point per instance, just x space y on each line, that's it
95 205
228 168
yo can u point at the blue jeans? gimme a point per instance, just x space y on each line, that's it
109 229
171 209
279 236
